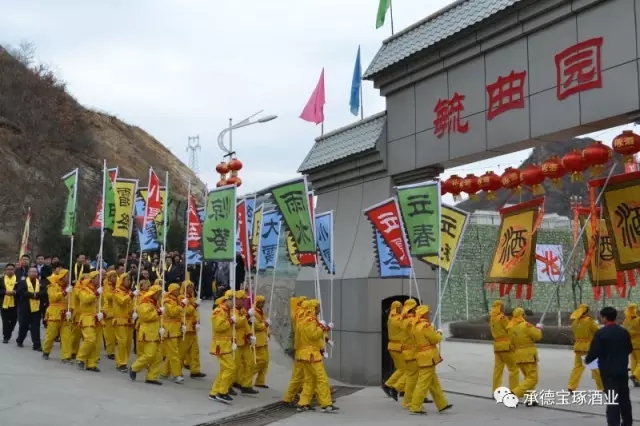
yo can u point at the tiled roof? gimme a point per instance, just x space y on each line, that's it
344 142
434 29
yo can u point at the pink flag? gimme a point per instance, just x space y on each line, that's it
313 111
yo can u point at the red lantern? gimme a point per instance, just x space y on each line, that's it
222 168
233 180
453 186
469 185
221 182
627 144
510 179
533 177
238 181
597 155
575 164
554 170
235 165
489 183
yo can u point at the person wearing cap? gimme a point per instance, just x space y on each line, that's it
298 307
408 351
223 347
109 286
632 323
173 335
312 355
189 346
584 328
524 337
261 325
57 317
245 342
123 301
395 334
89 321
149 336
502 347
426 339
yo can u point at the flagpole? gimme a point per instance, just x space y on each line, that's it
105 176
75 202
361 102
391 16
331 279
275 267
186 260
254 293
144 230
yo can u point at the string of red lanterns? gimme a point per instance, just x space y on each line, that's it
229 172
594 158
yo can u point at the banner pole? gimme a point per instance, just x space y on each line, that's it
275 266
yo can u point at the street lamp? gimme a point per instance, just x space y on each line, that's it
244 123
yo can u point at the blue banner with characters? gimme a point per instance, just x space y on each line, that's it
324 237
269 240
387 262
147 238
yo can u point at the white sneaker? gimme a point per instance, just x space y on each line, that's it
179 380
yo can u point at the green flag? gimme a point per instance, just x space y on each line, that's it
292 202
383 7
419 207
71 182
110 198
219 227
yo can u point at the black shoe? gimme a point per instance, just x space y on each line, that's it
5 341
225 397
330 409
418 413
132 374
262 386
198 375
73 356
249 391
187 367
94 369
66 361
153 382
237 386
401 394
57 340
20 344
111 357
232 392
445 408
394 394
37 348
386 389
302 408
427 401
45 356
122 369
81 366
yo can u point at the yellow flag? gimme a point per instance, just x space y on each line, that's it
125 201
602 266
255 233
452 226
291 250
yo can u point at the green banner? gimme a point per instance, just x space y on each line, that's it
292 202
219 227
109 199
71 182
419 207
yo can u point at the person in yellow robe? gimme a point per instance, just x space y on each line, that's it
245 341
261 327
503 349
632 323
89 321
189 345
109 287
57 316
426 339
298 307
395 334
223 347
584 328
143 288
172 323
75 315
149 337
408 351
122 311
524 337
311 354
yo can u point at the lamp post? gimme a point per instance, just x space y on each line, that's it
244 123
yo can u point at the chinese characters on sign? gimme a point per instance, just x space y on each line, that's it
452 223
386 220
269 240
505 94
419 209
549 262
448 116
125 200
292 201
219 226
627 222
579 68
512 246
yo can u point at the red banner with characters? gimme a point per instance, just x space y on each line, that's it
97 220
385 219
243 236
194 230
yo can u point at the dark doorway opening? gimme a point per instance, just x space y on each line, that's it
387 362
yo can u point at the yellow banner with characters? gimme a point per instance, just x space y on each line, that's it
621 204
291 250
159 220
452 224
125 201
599 250
255 233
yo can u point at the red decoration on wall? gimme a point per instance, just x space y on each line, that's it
448 116
579 68
506 93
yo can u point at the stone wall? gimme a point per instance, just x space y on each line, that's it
473 259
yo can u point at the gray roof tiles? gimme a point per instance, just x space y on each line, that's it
434 29
344 142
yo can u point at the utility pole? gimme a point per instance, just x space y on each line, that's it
193 148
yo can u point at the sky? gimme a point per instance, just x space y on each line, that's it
181 68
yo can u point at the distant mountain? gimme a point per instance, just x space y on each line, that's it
556 199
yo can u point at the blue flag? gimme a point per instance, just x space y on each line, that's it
146 237
354 102
324 236
269 240
387 262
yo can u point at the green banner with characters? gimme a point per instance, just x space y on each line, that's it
219 227
71 182
292 202
419 207
109 199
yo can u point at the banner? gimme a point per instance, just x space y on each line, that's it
549 263
621 204
602 267
385 219
156 224
71 182
254 234
418 205
301 259
242 232
388 266
292 201
324 237
109 195
24 242
512 261
146 237
250 203
125 201
194 232
218 230
271 226
453 222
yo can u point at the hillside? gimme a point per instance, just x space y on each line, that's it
556 199
45 133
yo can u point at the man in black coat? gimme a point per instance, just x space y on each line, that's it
44 271
30 293
611 346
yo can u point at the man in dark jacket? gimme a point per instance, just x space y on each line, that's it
611 346
30 293
240 271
